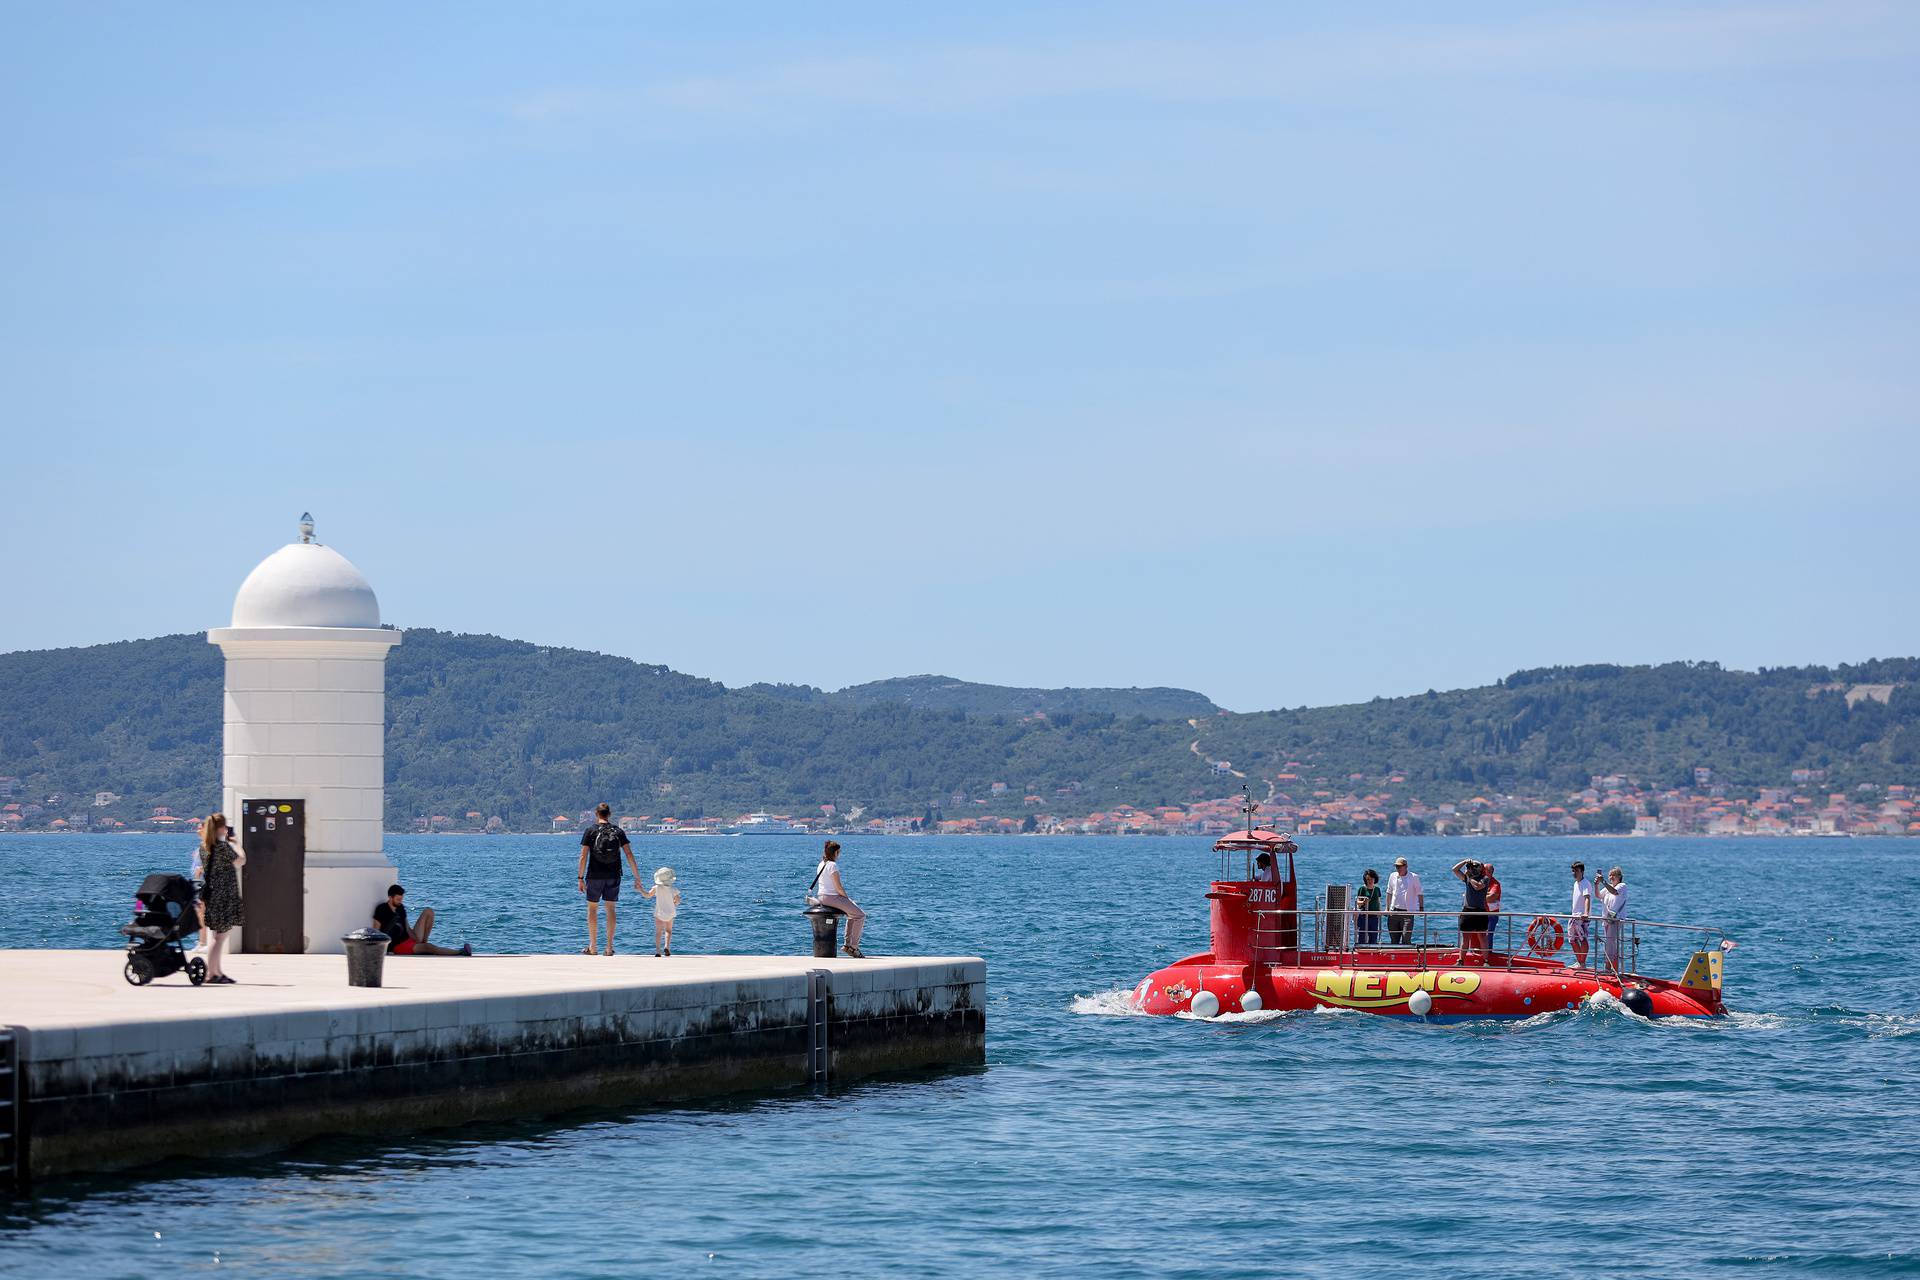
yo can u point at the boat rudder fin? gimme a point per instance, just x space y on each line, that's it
1703 972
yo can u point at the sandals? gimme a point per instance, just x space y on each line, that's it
588 951
220 980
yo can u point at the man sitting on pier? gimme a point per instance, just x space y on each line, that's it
390 918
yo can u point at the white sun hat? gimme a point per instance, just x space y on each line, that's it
663 876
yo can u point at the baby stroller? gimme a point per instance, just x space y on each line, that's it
163 917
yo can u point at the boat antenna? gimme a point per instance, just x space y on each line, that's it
1246 812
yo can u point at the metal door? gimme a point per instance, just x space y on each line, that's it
273 834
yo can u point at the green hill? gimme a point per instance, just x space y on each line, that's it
944 693
1551 729
505 728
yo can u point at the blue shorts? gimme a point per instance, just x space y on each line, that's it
603 887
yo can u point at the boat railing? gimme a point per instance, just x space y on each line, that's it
1348 937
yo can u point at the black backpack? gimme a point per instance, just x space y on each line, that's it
606 846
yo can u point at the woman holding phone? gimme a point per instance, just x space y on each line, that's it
223 910
1368 900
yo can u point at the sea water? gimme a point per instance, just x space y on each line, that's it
1782 1139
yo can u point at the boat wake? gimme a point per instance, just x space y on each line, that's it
1117 1003
1230 1019
1875 1026
1602 1004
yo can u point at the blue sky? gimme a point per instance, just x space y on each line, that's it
1293 353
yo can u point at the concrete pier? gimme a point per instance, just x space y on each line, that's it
115 1075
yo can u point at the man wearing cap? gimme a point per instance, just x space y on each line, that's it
1582 908
1403 898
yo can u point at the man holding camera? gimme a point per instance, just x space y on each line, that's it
1612 893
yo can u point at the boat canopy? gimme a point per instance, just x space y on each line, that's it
1259 838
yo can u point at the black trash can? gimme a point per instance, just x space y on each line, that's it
826 930
366 956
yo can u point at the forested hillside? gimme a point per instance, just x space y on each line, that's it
944 693
508 729
1555 727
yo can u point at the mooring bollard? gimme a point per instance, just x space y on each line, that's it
826 930
366 956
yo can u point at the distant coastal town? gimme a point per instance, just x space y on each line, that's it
1612 805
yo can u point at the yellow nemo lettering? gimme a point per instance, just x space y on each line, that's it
1405 984
1388 989
1333 984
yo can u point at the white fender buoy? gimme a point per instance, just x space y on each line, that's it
1205 1004
1250 1002
1419 1004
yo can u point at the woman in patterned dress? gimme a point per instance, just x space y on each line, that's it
224 909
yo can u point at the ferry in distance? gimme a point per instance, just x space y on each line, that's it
1269 952
765 824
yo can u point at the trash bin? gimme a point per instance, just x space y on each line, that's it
366 956
826 930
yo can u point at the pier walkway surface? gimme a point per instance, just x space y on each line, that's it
115 1075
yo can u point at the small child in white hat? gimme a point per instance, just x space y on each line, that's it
666 905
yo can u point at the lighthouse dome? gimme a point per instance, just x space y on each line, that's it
304 584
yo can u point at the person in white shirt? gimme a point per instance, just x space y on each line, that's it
1612 893
1403 898
666 905
1582 908
1265 870
831 892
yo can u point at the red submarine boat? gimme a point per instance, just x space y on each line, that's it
1268 952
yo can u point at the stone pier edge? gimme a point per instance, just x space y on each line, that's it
110 1097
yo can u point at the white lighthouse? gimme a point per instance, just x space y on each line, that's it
304 772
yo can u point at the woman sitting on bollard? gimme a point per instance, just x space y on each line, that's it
831 892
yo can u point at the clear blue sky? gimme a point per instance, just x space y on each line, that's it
1293 353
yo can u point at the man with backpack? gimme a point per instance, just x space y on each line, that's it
600 848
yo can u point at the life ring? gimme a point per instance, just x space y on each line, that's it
1545 935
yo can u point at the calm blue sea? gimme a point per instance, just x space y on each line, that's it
1782 1140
